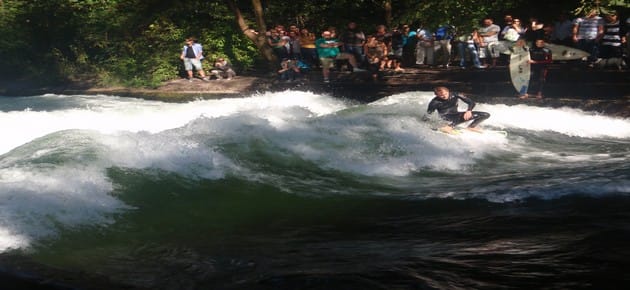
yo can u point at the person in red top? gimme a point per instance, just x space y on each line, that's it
540 58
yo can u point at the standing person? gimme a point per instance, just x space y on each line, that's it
192 54
614 38
307 48
295 49
353 40
507 21
443 37
534 31
513 33
396 53
517 25
562 29
540 58
587 32
409 45
489 45
278 43
445 103
425 47
328 51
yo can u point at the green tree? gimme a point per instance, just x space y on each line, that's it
137 42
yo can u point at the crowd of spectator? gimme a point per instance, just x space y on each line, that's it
603 37
381 49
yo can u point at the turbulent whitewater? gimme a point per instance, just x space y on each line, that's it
116 181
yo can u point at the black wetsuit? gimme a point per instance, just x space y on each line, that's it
542 56
448 110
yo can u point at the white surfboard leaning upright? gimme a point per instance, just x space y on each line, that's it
520 69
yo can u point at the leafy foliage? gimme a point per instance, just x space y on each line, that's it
138 42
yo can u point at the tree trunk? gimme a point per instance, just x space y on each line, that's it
257 37
387 6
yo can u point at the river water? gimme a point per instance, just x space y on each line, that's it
296 190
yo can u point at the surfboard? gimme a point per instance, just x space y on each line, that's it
463 131
520 69
562 52
558 52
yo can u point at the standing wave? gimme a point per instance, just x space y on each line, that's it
66 162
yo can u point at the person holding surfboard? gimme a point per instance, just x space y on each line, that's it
445 103
540 58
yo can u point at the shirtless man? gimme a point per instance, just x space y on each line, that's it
446 105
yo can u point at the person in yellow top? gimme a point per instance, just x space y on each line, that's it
307 48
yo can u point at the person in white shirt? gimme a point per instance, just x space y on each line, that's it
588 32
425 47
489 46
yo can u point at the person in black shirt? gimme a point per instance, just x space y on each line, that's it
540 58
445 103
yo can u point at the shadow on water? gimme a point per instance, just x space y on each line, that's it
207 235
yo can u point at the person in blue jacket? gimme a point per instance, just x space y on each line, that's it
192 54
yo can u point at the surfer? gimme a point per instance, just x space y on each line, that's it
540 60
445 103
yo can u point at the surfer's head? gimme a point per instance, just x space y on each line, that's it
540 42
441 92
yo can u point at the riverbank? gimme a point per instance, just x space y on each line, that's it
569 85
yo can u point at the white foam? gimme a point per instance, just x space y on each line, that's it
108 114
36 199
86 135
59 180
10 240
571 122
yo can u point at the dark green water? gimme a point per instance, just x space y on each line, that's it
300 191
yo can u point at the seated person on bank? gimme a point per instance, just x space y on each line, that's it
445 103
289 69
222 69
328 51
